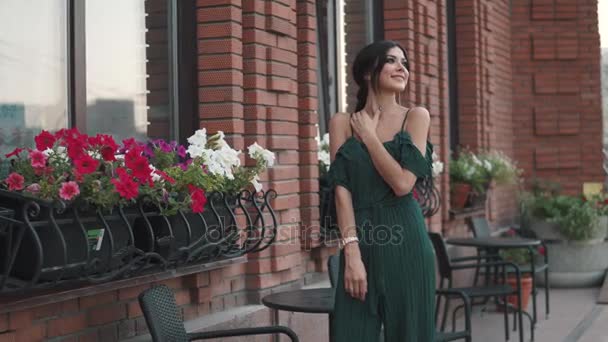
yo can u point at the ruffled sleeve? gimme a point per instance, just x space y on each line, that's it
338 171
410 157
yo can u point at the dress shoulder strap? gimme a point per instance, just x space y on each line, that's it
405 119
352 133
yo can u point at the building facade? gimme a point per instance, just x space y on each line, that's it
519 76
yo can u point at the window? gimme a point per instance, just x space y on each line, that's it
104 66
344 28
33 69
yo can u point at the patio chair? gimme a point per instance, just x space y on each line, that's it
165 323
333 267
480 228
492 290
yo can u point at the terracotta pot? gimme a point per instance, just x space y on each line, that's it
459 195
526 289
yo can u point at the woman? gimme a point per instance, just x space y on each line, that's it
379 152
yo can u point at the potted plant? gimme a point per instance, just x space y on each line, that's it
520 257
572 228
465 178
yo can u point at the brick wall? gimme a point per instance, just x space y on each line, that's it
483 53
420 27
115 315
556 91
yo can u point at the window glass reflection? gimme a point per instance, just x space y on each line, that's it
33 75
127 62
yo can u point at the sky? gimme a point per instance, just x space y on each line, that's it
602 12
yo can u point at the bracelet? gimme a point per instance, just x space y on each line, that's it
348 240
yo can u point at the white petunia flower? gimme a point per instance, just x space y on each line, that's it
199 138
256 183
324 158
257 150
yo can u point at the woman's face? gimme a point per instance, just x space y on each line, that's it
394 75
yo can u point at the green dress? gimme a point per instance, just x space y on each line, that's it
395 249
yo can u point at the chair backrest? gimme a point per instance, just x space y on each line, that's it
333 268
162 315
441 253
479 226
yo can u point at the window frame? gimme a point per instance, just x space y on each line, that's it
183 97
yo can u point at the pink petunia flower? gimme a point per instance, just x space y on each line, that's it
33 188
38 159
69 190
14 181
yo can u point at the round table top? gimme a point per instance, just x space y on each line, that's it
497 242
320 300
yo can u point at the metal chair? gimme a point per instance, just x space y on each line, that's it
481 228
333 268
165 323
495 290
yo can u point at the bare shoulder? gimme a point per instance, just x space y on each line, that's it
339 124
419 114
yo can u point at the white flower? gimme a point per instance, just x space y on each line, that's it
221 143
325 140
437 168
324 158
155 176
476 160
256 183
256 151
222 161
487 165
199 138
196 151
94 154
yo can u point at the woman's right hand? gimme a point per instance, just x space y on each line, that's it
355 276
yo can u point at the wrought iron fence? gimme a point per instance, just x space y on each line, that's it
44 244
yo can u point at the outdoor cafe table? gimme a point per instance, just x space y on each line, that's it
492 245
320 300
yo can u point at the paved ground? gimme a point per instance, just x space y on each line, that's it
574 316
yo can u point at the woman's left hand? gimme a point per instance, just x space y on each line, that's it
365 124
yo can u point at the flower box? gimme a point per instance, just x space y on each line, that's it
82 208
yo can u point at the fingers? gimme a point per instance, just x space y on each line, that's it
356 288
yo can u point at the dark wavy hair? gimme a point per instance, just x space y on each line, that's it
370 60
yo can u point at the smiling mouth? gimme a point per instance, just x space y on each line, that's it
400 77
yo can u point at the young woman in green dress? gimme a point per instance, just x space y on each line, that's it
379 152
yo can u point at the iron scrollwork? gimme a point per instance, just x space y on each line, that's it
44 244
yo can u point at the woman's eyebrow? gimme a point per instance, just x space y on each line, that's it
403 58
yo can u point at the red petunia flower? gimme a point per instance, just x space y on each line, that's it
44 140
165 176
69 190
37 159
198 198
14 181
86 164
125 185
14 153
140 167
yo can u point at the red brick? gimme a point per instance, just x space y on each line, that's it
3 322
220 30
97 300
67 325
8 337
20 319
106 314
34 333
201 295
133 309
227 13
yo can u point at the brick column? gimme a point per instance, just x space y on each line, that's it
556 91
